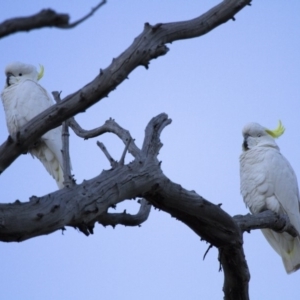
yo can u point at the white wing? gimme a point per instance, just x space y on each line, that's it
284 186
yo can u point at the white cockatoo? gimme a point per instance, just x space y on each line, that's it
23 98
268 182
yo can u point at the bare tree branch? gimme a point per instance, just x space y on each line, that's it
266 219
212 224
82 205
45 18
113 162
148 45
68 178
109 126
122 159
74 24
126 219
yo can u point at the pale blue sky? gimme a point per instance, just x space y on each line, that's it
243 71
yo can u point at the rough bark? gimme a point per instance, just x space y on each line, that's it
266 219
212 224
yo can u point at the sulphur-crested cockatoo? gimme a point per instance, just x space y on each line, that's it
23 99
269 182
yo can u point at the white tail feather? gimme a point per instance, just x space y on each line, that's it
50 162
287 247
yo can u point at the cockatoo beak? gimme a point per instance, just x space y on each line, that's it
245 142
8 75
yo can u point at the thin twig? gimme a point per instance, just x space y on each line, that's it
122 160
112 162
209 247
68 177
74 24
56 96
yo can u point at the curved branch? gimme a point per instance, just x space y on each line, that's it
109 126
45 18
212 224
126 219
152 143
148 45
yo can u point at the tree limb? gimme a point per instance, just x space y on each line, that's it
82 205
148 45
109 126
126 219
113 162
212 224
68 177
266 219
45 18
74 24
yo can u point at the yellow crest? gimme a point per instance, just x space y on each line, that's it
276 132
41 72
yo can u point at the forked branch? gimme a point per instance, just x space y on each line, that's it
109 126
82 205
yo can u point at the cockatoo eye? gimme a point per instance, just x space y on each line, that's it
20 74
258 135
